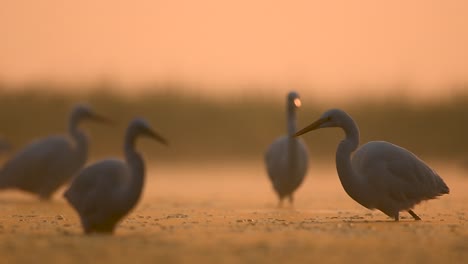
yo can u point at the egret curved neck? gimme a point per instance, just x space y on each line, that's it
350 180
81 141
292 141
137 173
291 120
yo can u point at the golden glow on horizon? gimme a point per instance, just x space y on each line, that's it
333 44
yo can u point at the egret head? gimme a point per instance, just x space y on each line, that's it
141 127
294 100
84 112
331 118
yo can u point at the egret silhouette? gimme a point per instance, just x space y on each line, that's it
380 175
286 158
46 164
104 192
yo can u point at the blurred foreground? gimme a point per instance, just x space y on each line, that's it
218 130
228 214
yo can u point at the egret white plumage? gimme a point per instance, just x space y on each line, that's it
104 192
286 159
46 164
380 175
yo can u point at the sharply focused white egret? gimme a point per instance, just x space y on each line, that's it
106 191
46 164
287 157
380 175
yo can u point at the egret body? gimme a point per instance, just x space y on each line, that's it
46 164
104 192
380 175
286 159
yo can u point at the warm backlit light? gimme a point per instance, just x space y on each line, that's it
297 102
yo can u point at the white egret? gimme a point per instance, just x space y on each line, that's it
104 192
380 175
46 164
286 158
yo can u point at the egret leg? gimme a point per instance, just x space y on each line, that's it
280 203
291 199
414 215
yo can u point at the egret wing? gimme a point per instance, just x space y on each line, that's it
388 169
35 160
96 184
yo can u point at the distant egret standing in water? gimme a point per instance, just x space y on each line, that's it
287 157
380 175
46 164
106 191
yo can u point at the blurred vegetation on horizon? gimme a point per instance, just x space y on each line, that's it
238 128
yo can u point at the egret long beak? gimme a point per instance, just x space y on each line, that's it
100 118
157 137
315 125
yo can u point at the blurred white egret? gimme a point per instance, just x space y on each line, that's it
380 175
46 164
286 158
106 191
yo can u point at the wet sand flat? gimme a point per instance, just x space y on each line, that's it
228 214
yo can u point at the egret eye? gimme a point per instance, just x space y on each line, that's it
297 102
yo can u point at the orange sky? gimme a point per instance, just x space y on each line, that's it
331 47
